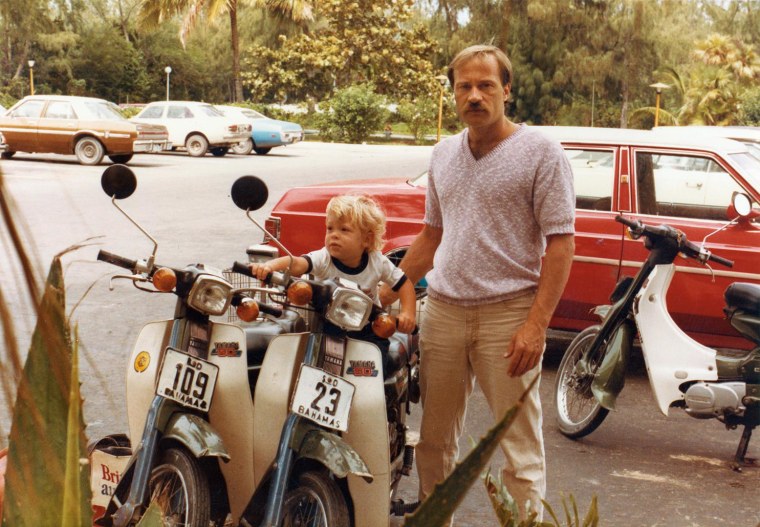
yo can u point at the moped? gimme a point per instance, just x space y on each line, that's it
330 438
683 373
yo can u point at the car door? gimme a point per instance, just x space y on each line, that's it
19 127
56 128
180 121
598 238
691 191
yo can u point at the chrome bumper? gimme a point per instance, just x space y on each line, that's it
151 146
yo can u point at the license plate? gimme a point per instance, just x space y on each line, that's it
323 398
188 380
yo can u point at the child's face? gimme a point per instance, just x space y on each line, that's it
345 241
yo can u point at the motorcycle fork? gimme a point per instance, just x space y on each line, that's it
194 334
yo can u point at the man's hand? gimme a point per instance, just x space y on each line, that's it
525 349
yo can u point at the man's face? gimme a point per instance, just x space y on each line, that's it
479 95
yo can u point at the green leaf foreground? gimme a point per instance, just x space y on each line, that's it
447 495
46 482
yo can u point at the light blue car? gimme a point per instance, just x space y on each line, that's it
266 133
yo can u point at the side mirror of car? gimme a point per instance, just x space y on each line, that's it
741 207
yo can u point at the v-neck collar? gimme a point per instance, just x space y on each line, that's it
499 146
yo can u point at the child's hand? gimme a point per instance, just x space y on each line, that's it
405 322
260 271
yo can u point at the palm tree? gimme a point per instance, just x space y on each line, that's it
153 12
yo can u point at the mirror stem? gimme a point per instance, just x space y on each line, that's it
152 258
276 242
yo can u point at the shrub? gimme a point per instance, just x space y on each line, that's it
353 114
420 115
750 109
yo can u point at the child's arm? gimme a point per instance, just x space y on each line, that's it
408 310
262 270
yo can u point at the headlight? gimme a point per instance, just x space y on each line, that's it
210 295
349 309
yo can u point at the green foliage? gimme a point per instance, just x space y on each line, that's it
44 478
750 105
353 114
364 41
446 496
420 116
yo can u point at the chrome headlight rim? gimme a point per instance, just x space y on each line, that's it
204 284
340 304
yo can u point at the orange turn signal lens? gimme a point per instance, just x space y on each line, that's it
300 293
248 310
164 279
384 326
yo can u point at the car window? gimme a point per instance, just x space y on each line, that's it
209 111
102 110
28 109
683 186
594 177
60 110
179 112
253 114
153 112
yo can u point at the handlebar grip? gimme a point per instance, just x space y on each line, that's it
628 223
721 260
242 268
270 310
115 259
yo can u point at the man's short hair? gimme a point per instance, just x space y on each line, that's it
480 51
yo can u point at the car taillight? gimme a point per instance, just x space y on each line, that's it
272 225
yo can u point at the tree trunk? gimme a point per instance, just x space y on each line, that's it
235 52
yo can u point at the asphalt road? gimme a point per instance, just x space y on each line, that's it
644 468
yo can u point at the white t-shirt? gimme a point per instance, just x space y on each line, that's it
373 269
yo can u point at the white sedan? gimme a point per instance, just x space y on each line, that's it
196 126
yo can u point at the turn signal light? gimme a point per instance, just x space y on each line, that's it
300 293
384 326
164 279
248 310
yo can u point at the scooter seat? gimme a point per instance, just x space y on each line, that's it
744 297
258 336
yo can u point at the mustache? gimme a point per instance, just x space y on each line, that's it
474 106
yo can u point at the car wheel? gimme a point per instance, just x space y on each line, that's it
261 151
219 151
122 159
7 155
196 145
89 151
244 148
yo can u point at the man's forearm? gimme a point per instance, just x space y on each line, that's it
555 271
419 258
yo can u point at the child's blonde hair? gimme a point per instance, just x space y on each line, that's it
363 212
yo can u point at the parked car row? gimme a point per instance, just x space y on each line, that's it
93 128
683 180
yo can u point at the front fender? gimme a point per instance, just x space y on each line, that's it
610 377
196 434
329 449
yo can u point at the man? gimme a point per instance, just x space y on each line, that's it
500 196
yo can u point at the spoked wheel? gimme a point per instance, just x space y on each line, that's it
316 501
578 411
180 490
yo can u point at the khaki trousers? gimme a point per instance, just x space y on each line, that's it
460 345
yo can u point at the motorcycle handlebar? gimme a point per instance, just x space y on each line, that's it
721 260
242 268
115 259
270 310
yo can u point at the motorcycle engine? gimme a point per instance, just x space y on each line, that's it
706 400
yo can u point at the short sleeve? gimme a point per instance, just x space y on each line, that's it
320 262
432 205
389 273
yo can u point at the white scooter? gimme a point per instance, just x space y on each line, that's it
682 372
229 432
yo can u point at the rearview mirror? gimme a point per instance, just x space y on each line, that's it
118 181
249 193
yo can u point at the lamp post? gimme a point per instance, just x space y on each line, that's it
659 86
442 80
168 70
31 76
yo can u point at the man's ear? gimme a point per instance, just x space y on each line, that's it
507 89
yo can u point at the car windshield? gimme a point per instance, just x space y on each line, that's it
253 114
103 110
210 111
750 167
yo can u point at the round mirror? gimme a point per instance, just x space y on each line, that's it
742 204
249 193
118 181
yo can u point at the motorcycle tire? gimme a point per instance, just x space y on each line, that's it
578 411
315 501
180 489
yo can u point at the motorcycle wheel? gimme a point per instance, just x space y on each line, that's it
180 490
316 501
578 411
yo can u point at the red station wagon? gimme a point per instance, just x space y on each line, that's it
686 183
